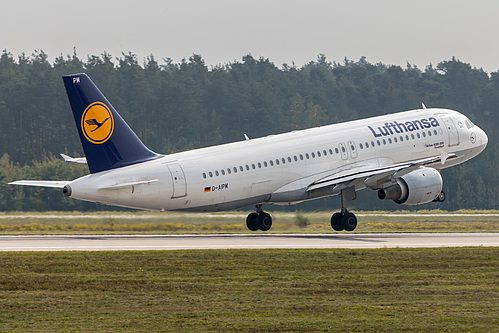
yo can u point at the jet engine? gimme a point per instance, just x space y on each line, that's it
417 187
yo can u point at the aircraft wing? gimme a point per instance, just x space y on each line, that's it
41 183
373 176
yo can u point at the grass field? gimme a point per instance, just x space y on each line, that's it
234 222
419 290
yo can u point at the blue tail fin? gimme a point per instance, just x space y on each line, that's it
107 140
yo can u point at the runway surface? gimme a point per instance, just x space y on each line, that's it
244 241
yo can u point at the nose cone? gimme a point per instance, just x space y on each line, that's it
482 138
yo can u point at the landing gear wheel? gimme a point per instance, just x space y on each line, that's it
336 222
265 221
440 197
344 221
349 221
252 222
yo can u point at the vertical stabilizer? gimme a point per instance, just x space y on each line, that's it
106 138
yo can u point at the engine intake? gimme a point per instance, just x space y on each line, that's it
417 187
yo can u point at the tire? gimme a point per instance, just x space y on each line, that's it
441 197
265 221
349 221
252 222
336 222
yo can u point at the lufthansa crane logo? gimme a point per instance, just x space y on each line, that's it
97 123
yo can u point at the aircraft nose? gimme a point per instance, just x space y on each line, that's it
483 139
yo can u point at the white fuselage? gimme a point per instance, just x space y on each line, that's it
280 168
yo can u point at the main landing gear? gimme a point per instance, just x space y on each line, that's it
345 220
259 220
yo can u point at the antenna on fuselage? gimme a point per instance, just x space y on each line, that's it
424 106
246 137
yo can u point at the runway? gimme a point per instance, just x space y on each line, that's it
244 241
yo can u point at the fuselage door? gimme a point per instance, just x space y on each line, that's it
178 180
353 149
452 130
343 151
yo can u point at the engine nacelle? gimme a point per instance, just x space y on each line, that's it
417 187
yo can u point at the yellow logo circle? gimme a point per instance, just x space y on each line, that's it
97 123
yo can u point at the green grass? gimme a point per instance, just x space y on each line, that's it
234 222
433 290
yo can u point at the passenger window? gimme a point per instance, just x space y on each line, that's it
204 175
283 160
318 154
247 167
335 150
216 173
235 170
271 163
330 152
384 141
301 157
412 136
229 171
295 158
395 139
211 174
253 166
313 155
277 161
435 132
378 142
307 156
424 135
361 146
265 163
372 143
325 152
389 140
418 135
259 165
289 159
429 133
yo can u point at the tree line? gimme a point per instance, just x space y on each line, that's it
178 106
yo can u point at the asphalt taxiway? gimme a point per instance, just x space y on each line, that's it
244 241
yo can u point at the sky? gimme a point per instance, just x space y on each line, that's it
394 32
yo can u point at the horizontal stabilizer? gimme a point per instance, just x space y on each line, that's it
67 158
41 183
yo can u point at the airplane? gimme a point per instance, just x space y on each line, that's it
399 155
